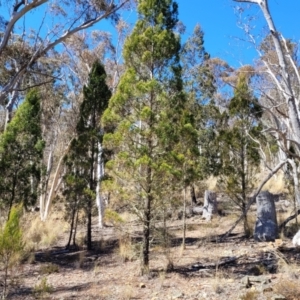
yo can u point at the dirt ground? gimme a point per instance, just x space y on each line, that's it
236 268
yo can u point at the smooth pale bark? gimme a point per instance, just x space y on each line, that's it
99 199
46 177
210 205
290 135
12 85
47 201
266 227
284 85
296 180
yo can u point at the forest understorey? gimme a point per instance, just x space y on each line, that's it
236 268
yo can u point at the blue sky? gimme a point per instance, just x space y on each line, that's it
223 37
219 21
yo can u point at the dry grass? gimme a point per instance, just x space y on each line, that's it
276 184
249 295
127 250
211 183
41 235
288 288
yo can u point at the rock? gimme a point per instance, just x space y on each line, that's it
178 295
278 297
197 210
142 285
267 289
296 239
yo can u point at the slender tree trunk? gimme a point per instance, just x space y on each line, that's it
71 227
184 218
75 228
296 181
146 226
89 226
193 195
100 174
55 183
146 235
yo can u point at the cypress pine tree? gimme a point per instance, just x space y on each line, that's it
147 112
240 155
21 149
86 150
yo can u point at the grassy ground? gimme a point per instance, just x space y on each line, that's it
236 268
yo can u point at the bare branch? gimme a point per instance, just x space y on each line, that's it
249 1
17 16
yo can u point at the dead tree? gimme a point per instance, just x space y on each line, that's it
210 205
266 228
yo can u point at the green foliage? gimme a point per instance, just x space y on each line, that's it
43 288
21 150
11 244
200 87
154 134
240 154
82 159
113 217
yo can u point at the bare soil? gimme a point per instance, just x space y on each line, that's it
237 268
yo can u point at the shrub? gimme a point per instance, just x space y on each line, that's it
11 245
42 288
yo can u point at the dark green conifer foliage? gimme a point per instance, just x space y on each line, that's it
82 159
21 149
240 154
149 114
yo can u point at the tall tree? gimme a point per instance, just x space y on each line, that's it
284 77
85 159
240 153
21 150
21 52
147 112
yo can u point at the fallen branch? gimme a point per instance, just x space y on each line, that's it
228 260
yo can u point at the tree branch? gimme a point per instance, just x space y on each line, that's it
14 19
253 198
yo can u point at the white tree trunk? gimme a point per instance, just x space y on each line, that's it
29 6
210 205
284 85
100 174
47 201
296 181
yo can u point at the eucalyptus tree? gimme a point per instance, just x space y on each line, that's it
24 49
147 112
85 160
21 150
284 77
